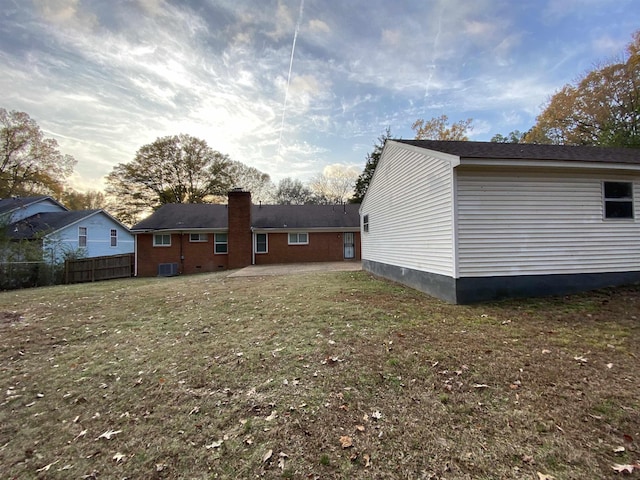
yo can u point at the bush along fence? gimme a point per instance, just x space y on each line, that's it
98 268
14 275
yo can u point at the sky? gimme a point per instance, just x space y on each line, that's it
291 87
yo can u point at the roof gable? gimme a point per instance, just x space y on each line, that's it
47 222
8 205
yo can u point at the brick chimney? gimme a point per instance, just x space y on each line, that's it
239 224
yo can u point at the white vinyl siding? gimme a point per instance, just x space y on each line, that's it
536 223
409 208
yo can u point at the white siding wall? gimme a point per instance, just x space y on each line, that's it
531 223
409 204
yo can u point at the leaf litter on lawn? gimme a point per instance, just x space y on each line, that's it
351 376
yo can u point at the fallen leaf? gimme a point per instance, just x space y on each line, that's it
272 416
118 457
47 467
528 459
544 476
609 365
627 438
619 450
108 434
545 351
625 468
346 441
360 428
367 460
281 460
267 456
216 444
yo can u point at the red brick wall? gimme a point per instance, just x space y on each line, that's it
198 256
322 247
240 243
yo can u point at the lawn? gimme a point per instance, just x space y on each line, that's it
315 376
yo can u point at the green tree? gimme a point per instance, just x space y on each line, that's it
601 108
292 191
29 163
363 181
74 200
172 169
513 137
438 129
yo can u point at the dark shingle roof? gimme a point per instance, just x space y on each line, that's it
529 151
43 223
10 204
306 216
198 216
176 216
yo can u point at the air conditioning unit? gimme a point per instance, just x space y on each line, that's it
167 269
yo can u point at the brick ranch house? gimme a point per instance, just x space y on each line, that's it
194 238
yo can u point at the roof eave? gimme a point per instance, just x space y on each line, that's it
533 163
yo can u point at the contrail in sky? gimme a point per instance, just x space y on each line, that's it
434 49
286 92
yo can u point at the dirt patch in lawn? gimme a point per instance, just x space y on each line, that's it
333 375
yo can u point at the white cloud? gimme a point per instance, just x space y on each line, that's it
318 26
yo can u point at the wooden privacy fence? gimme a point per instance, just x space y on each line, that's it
98 268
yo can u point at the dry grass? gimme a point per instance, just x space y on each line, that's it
203 376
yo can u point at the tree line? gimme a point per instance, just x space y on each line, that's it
601 108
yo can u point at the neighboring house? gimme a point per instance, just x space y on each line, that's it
17 208
475 221
191 238
65 233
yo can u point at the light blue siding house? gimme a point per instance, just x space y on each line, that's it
18 208
65 233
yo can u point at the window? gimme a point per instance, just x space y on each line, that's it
114 237
220 243
82 236
365 223
261 243
298 239
198 237
162 240
618 200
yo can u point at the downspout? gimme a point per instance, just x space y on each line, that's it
253 247
181 255
135 255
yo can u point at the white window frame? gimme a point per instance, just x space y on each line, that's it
294 238
266 243
217 241
610 200
198 237
113 236
83 234
365 223
162 235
